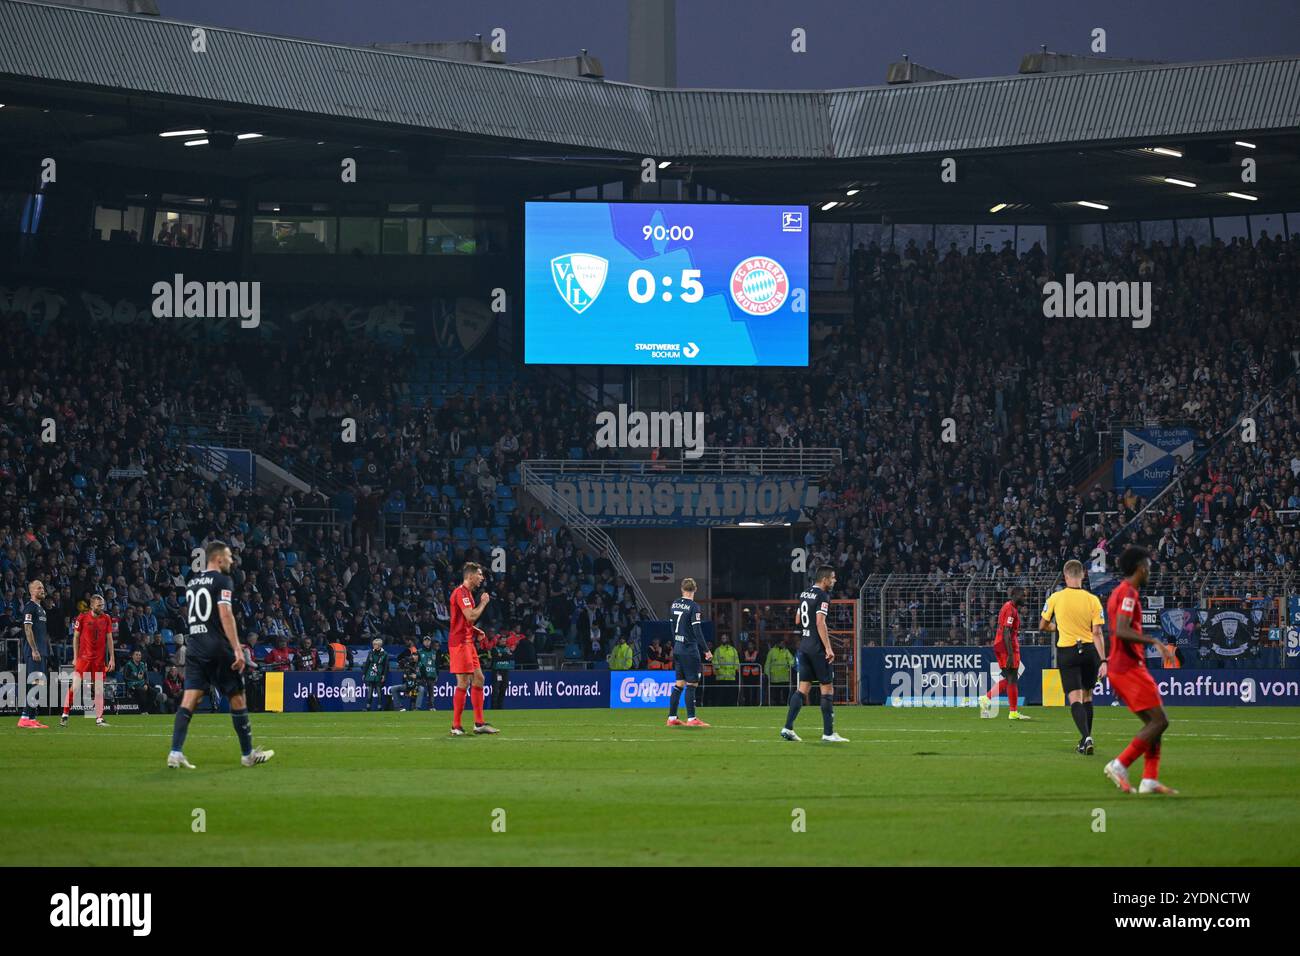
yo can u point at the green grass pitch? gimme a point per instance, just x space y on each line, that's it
932 786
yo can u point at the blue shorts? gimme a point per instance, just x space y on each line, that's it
25 657
814 665
689 668
209 672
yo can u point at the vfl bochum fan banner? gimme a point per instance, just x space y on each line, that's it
653 501
235 462
1149 456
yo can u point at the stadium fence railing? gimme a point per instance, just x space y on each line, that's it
936 609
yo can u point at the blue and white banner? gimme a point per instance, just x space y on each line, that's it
641 688
1150 456
526 690
345 690
238 463
554 689
1236 688
945 676
671 501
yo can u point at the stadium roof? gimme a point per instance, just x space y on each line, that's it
750 143
149 55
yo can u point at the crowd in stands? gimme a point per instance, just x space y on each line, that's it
99 494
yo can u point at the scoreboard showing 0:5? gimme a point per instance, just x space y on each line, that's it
665 284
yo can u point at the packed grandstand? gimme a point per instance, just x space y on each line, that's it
119 504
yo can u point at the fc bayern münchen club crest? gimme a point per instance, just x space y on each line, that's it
579 277
759 285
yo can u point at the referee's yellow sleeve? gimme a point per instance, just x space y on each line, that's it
1098 616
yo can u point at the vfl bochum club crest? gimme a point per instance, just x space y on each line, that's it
579 277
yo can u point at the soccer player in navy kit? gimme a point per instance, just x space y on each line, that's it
815 656
213 657
34 655
689 652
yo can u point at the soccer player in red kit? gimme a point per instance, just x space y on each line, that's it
92 640
464 655
1129 677
1006 645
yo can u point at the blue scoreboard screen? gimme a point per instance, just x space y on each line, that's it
641 283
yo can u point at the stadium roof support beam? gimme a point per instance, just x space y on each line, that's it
1044 62
467 51
583 65
905 71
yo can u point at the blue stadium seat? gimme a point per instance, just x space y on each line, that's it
575 454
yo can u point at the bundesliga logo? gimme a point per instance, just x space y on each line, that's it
759 285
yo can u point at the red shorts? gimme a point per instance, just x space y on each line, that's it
89 667
1137 688
1001 651
464 659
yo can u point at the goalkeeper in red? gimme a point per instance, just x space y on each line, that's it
1129 677
465 612
1006 645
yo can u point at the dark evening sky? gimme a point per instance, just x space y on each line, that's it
727 43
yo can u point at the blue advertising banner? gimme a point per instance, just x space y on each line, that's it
640 688
344 690
551 689
1237 688
1291 632
665 501
1150 456
238 463
945 676
526 690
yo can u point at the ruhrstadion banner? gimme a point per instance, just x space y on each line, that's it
685 501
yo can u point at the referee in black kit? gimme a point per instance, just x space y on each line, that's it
1080 648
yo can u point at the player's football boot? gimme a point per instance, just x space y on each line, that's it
63 720
101 722
457 732
675 722
1155 786
176 759
1087 746
986 706
485 729
257 756
1118 775
788 734
696 722
834 739
1017 715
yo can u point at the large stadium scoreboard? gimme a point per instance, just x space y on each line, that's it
640 283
